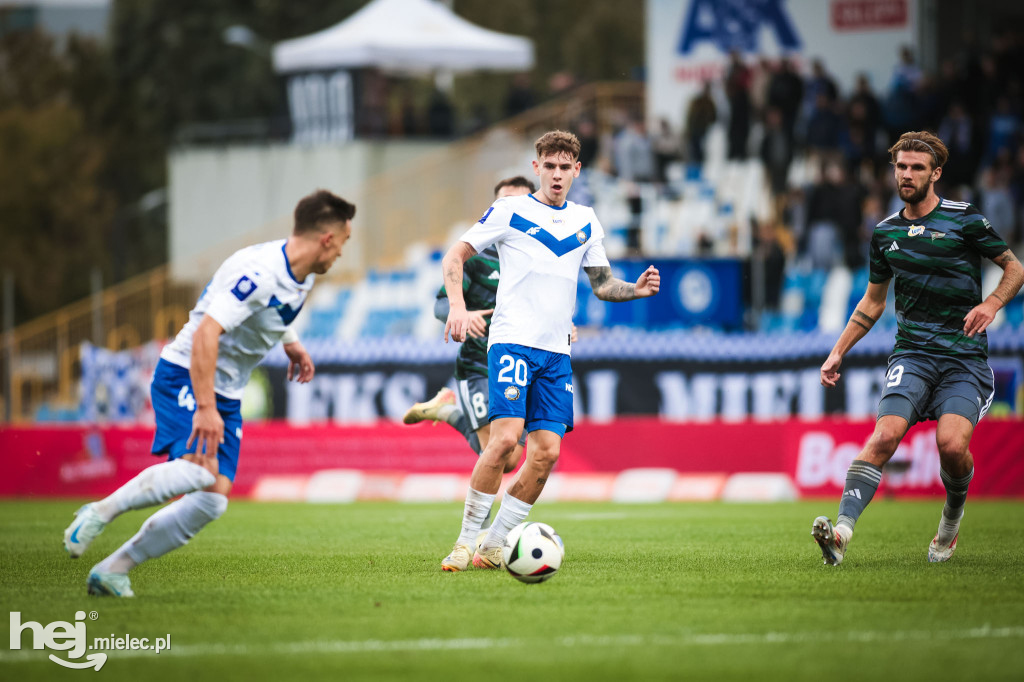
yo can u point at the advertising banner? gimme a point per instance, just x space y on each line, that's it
647 457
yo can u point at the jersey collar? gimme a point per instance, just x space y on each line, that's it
287 265
557 208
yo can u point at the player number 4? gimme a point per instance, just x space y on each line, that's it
186 400
895 375
512 365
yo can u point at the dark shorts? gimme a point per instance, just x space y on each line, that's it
934 385
531 384
174 404
474 396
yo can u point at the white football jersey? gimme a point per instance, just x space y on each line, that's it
541 249
254 296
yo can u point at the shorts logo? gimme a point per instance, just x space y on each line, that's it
511 393
915 230
243 288
581 236
568 387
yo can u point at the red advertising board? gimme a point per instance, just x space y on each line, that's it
76 461
864 15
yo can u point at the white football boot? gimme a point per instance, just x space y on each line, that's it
458 559
82 531
944 543
110 585
832 542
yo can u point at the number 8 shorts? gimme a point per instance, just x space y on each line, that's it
936 385
531 384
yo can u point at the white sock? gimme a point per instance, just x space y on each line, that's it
155 485
169 528
513 511
477 506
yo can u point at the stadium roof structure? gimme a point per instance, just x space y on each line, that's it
406 36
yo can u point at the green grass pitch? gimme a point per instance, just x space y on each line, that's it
647 592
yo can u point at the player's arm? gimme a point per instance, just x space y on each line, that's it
981 315
207 424
608 288
452 269
864 317
300 365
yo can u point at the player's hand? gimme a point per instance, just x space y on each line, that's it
457 324
478 323
649 283
300 365
574 335
830 371
979 318
207 431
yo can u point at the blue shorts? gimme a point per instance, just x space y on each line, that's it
174 404
531 384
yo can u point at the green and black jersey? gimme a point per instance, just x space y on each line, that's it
480 288
936 262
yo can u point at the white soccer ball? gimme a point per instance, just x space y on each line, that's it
533 552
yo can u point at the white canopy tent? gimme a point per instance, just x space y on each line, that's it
404 35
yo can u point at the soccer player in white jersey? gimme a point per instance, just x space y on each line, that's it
243 312
543 241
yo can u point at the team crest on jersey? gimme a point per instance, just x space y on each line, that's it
937 235
511 393
916 230
581 236
243 288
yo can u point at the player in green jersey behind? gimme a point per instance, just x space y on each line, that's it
480 288
933 248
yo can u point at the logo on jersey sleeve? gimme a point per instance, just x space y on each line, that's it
511 393
243 288
915 230
484 217
285 310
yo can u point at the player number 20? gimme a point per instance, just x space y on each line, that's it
895 375
514 366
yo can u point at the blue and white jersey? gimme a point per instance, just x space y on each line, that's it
541 249
254 296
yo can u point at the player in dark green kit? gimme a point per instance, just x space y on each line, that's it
480 288
939 367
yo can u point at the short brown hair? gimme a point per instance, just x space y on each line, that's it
921 141
557 142
517 181
319 208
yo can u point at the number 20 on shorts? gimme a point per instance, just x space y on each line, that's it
512 369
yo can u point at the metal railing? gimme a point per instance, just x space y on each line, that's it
41 357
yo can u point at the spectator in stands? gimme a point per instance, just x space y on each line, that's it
834 219
995 197
737 90
958 131
700 116
825 128
785 92
818 83
440 115
776 152
907 73
635 164
864 115
770 264
520 96
586 131
665 144
1003 128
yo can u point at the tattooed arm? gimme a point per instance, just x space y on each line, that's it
863 319
451 268
608 288
981 315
